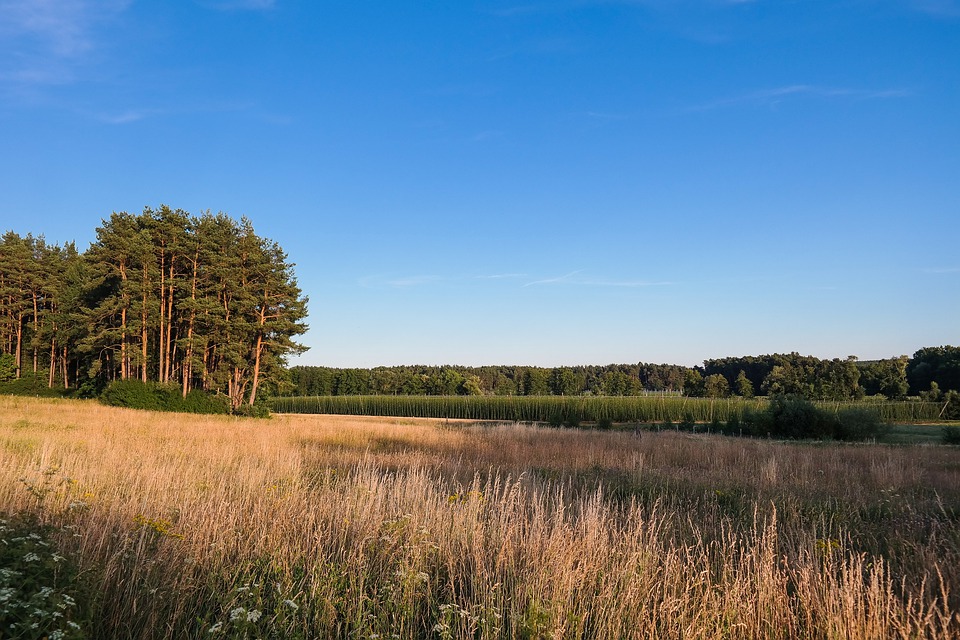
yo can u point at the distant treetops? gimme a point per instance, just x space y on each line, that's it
200 302
929 373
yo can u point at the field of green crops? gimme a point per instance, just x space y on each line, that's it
573 408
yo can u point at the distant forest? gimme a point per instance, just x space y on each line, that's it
928 374
191 302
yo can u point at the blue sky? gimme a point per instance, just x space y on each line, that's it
566 182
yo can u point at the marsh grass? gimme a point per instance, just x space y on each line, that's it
318 526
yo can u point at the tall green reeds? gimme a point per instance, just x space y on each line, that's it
574 408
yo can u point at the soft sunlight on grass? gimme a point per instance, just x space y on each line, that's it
318 526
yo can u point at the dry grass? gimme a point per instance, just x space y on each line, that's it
318 526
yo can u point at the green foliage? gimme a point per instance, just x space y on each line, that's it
163 397
716 386
951 405
37 585
934 364
644 409
885 377
794 416
743 386
30 384
8 367
951 435
256 410
859 424
160 296
693 384
933 394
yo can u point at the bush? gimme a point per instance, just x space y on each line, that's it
795 417
951 435
252 411
32 384
200 402
135 395
153 396
858 424
757 423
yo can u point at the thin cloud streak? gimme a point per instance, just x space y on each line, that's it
63 27
769 97
570 279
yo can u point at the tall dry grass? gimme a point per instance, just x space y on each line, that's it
314 527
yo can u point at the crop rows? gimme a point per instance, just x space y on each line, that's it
570 408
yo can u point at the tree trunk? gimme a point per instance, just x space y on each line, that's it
53 360
256 368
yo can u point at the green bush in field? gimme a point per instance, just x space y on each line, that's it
858 424
199 402
951 435
32 384
794 417
153 396
135 395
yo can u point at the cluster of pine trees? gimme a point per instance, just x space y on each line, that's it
197 301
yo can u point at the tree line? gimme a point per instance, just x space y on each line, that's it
200 302
930 372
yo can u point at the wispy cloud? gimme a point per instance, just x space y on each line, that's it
501 276
574 278
937 8
43 41
243 5
772 97
398 282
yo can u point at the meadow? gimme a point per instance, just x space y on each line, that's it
314 526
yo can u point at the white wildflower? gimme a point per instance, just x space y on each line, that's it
253 615
237 613
215 628
290 603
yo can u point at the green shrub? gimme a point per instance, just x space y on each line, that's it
32 384
951 435
200 402
38 597
795 417
858 424
135 395
153 396
256 410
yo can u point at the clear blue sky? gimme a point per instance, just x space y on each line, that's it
566 182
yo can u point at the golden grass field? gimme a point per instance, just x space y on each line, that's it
188 526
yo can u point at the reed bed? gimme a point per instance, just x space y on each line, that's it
351 527
658 408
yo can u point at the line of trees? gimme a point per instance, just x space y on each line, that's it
926 373
201 302
613 380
